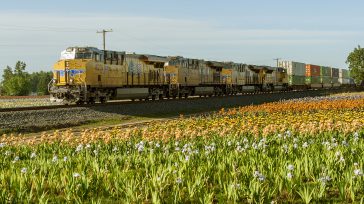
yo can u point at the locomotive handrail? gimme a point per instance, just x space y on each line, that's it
49 85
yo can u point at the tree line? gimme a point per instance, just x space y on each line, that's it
355 61
17 82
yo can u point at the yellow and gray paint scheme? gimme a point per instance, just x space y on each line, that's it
87 75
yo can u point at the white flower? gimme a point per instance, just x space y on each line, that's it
175 171
344 143
229 144
65 159
179 180
295 145
338 153
358 172
239 149
23 170
7 153
88 146
285 147
258 175
115 149
79 148
140 146
76 175
261 178
305 145
33 155
176 143
177 149
2 145
356 134
157 145
16 159
55 159
324 179
95 152
289 175
290 167
356 164
187 158
235 186
341 159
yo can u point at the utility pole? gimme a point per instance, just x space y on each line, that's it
104 40
277 59
104 36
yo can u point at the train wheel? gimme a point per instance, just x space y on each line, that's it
102 100
160 96
153 97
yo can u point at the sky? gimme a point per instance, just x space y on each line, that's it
318 32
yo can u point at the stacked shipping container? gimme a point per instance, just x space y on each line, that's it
296 72
325 76
335 77
344 77
313 73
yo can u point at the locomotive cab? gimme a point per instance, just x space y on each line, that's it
69 73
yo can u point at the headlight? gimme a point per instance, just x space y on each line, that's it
54 80
71 81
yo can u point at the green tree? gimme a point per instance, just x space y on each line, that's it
17 82
39 82
356 64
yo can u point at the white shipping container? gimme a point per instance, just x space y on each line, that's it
293 68
343 73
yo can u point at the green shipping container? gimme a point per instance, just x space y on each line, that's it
326 80
325 71
296 80
313 80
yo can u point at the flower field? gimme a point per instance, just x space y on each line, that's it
304 150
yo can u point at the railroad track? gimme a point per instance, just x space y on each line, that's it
110 103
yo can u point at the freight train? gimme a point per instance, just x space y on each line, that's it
89 75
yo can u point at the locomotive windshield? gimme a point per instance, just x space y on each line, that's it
83 55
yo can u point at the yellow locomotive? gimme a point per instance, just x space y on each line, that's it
87 75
